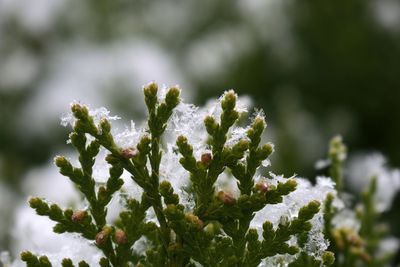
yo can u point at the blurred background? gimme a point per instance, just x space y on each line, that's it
317 67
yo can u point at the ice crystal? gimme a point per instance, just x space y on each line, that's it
388 245
32 232
346 219
129 137
322 164
97 114
363 168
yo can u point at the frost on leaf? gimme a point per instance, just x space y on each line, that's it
97 114
363 168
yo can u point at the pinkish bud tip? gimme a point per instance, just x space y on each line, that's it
102 236
206 158
120 237
78 216
262 187
226 197
129 153
195 220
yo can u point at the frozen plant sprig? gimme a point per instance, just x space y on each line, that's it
337 155
216 232
356 236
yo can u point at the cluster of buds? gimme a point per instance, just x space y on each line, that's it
348 239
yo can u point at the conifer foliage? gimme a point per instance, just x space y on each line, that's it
187 216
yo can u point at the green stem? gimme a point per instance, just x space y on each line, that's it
155 159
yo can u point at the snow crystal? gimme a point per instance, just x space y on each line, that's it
5 258
316 243
128 138
47 182
277 261
34 233
347 219
141 245
363 168
236 134
97 114
187 120
258 114
388 245
172 171
322 164
227 183
266 163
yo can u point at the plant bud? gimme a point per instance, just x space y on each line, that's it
78 140
67 263
250 133
262 187
206 158
120 237
194 220
145 140
111 159
61 161
229 100
166 188
212 228
284 220
241 146
26 255
173 212
105 126
129 153
328 258
102 195
150 94
266 150
78 216
181 140
184 148
102 236
337 150
172 97
226 198
79 110
210 124
259 124
35 202
150 89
